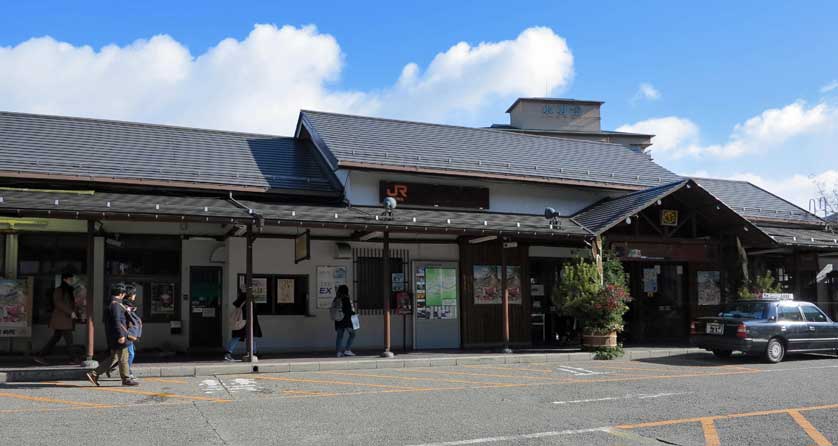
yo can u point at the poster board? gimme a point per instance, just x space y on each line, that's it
162 299
329 278
302 247
488 284
436 290
285 291
709 287
16 308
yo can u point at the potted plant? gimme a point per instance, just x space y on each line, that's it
597 301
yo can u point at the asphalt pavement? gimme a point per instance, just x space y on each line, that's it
692 399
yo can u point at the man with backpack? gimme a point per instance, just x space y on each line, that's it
341 312
62 319
116 331
135 327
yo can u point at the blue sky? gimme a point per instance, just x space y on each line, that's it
713 66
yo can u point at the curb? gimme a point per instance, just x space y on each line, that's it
75 373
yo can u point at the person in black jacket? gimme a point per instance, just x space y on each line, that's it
116 331
241 334
345 324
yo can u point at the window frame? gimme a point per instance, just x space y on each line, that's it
818 310
780 308
300 307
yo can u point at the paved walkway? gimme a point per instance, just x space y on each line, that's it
181 366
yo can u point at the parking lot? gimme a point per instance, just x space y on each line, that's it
689 399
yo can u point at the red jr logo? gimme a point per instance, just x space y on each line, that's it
397 191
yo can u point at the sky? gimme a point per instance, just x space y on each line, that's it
742 90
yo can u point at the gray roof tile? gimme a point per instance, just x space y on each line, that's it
801 236
84 148
601 217
755 203
392 144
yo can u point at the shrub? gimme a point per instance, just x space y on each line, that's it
599 308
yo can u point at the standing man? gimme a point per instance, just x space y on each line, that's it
116 330
62 319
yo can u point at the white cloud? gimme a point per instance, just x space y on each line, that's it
829 87
260 83
646 91
769 130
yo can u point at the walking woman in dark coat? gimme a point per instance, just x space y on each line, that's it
344 325
240 335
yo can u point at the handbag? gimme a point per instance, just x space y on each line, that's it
356 323
237 321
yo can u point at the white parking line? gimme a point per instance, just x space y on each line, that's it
639 396
576 371
517 437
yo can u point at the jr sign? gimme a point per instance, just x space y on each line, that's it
420 194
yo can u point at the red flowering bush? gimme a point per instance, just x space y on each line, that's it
599 308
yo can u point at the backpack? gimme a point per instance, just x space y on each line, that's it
135 325
336 310
237 321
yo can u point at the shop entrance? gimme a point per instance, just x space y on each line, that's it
548 325
659 311
205 306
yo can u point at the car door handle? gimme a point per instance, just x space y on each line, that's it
811 328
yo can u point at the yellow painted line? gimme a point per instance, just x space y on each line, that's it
305 392
810 430
144 393
166 380
488 375
725 417
509 369
81 408
409 378
340 383
51 400
711 435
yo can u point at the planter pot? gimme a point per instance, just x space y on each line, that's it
592 341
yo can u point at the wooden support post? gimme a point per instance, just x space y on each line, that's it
596 253
91 265
505 293
387 286
248 279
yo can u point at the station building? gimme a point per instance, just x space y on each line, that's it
186 213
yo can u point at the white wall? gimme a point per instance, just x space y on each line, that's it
362 189
315 332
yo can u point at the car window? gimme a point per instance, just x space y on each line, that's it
813 314
745 310
789 313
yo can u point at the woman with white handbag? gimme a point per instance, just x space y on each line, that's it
346 321
238 325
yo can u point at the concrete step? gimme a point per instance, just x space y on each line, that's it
71 373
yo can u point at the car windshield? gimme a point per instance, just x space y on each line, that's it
745 310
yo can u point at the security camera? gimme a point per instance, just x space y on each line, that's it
390 203
550 213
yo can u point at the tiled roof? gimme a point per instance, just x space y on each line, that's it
601 217
113 151
386 144
755 203
119 206
802 237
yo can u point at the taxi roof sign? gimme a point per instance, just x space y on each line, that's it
777 296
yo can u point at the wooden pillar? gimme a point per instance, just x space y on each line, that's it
91 279
505 293
596 252
248 280
387 286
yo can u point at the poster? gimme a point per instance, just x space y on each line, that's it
162 299
397 281
709 287
260 288
440 286
650 280
16 308
487 284
285 291
329 278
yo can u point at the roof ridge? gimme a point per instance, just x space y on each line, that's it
478 129
137 124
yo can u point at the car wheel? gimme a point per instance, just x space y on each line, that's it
775 351
722 353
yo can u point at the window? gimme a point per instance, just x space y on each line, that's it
813 313
278 294
369 282
152 264
745 310
789 313
44 257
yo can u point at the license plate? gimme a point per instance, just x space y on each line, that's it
715 329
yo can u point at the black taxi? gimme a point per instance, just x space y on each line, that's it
766 327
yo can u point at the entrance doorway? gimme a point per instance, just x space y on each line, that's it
659 311
205 306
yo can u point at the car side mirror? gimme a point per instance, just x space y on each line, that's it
772 318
